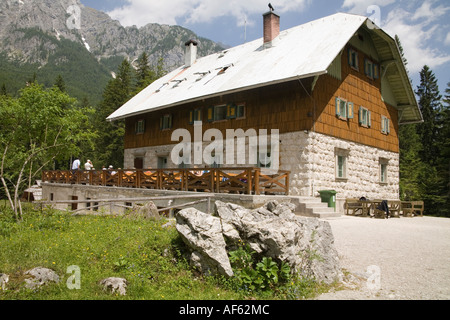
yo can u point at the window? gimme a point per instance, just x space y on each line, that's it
383 170
385 125
195 115
344 109
166 122
341 163
240 111
162 162
217 113
371 69
140 127
264 159
365 117
220 113
353 59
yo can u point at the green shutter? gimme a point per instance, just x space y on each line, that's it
191 117
161 123
376 71
198 115
170 121
210 117
231 111
338 103
360 116
350 114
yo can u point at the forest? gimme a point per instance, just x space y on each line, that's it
43 127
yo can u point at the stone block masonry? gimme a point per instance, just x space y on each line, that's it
312 159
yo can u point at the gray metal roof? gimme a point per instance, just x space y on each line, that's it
300 52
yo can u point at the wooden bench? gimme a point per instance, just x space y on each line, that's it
394 208
357 207
412 208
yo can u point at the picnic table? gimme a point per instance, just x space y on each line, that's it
372 208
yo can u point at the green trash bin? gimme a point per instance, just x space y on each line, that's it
329 196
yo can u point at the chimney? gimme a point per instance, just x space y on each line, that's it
271 26
191 53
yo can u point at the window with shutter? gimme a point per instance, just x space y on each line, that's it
140 127
364 117
385 125
166 122
231 111
353 59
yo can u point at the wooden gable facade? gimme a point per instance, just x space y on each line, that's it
310 104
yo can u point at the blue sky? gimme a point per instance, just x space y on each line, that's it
423 26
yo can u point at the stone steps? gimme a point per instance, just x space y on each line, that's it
313 207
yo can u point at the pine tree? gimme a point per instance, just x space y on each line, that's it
410 147
430 106
110 141
144 73
60 84
3 91
443 167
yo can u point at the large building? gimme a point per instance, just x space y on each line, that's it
335 89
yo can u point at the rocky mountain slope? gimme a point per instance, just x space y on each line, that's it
51 37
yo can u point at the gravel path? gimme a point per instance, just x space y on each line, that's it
412 255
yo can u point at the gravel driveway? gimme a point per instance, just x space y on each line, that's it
409 256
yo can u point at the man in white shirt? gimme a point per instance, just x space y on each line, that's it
76 164
88 165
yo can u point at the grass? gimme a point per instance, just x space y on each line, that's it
144 252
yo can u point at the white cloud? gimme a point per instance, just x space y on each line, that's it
142 12
428 12
361 6
447 40
416 38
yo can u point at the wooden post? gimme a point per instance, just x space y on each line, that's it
287 183
138 178
257 190
249 181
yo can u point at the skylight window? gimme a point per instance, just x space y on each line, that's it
177 82
202 75
160 88
224 68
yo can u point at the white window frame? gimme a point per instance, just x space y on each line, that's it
166 122
371 69
385 125
353 59
341 164
365 117
140 127
384 165
215 112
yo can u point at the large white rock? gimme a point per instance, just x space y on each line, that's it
40 277
306 244
203 234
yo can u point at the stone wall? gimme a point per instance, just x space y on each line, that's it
311 159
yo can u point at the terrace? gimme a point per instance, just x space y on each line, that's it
223 180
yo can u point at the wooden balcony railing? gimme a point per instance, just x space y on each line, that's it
223 180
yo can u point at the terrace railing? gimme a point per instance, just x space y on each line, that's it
221 180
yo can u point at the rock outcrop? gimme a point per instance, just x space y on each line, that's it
306 244
114 285
40 277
